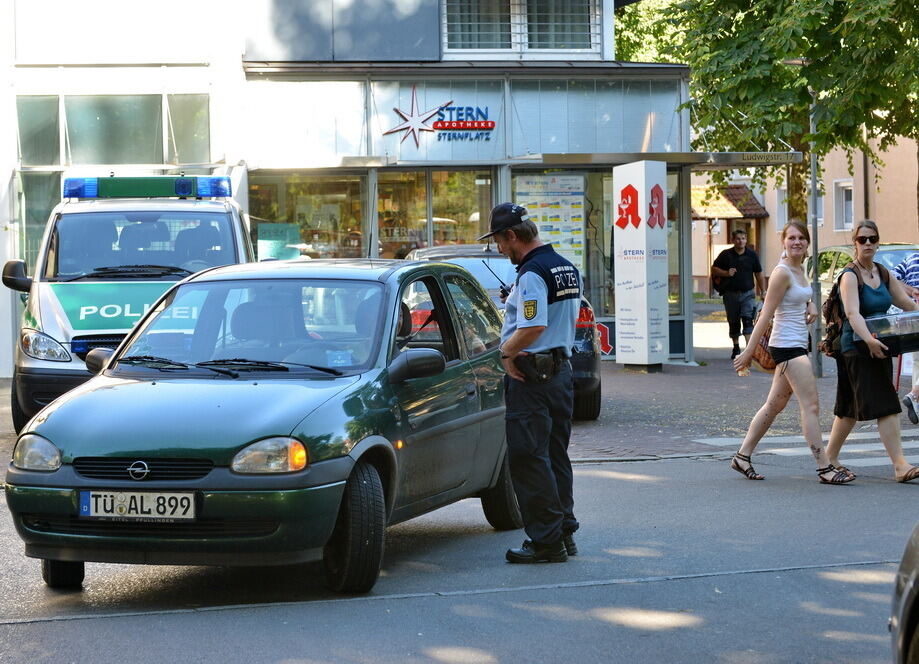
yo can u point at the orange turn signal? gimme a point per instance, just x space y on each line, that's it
298 457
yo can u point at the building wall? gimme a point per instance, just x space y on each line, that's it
9 228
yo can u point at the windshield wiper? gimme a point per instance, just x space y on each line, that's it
165 364
278 365
130 271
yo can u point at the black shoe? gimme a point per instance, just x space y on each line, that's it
571 547
735 352
531 553
911 408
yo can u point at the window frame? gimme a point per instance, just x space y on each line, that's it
520 38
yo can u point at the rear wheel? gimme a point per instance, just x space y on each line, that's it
500 502
587 406
62 573
354 552
18 414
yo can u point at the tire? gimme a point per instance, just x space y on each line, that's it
19 417
63 573
354 552
912 652
500 502
587 406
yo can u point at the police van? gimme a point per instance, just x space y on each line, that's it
110 249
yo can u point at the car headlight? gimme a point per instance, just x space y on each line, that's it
36 453
42 347
272 455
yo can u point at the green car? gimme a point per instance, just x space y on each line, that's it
272 413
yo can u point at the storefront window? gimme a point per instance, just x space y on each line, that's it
462 202
319 216
39 136
124 129
189 129
402 212
598 207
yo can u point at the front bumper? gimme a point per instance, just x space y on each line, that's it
233 526
36 388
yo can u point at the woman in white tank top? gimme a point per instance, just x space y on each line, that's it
788 300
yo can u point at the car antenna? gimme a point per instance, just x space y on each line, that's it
505 291
370 241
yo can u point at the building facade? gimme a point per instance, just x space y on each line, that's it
348 128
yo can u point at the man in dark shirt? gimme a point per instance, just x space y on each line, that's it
739 266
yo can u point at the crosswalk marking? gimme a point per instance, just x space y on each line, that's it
860 435
846 449
872 461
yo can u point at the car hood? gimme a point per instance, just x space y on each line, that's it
213 418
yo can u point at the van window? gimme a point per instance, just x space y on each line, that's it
83 242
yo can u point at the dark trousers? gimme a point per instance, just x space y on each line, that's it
538 422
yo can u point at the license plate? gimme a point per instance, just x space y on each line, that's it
137 505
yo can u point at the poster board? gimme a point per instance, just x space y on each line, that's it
555 203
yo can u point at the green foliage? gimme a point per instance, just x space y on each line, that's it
861 61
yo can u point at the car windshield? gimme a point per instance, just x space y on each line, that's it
289 325
890 258
147 244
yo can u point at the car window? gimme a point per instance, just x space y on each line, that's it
479 322
892 257
825 265
329 323
421 320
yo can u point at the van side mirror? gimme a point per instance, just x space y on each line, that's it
416 363
14 276
97 358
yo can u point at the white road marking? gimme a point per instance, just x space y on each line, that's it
860 435
846 449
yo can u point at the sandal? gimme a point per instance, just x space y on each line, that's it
840 476
747 472
846 470
909 475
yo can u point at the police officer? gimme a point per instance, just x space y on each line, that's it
539 322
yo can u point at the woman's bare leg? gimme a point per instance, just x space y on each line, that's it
800 376
889 431
842 427
779 394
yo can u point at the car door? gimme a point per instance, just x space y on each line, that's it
439 413
480 331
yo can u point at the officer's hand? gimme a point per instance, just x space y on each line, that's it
732 271
511 368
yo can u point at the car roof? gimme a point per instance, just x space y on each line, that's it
143 204
365 269
456 251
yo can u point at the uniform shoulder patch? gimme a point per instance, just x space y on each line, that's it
529 309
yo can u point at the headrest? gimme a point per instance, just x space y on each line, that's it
367 314
141 235
405 321
248 321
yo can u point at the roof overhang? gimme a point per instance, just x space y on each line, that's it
698 161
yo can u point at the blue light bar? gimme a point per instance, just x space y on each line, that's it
214 186
148 187
81 187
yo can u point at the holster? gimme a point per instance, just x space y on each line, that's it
540 367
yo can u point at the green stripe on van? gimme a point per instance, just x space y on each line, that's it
107 306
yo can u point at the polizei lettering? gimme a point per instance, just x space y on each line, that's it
133 311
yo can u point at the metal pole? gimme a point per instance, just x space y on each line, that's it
816 357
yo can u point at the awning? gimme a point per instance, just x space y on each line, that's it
698 161
735 201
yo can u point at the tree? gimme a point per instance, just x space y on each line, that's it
861 60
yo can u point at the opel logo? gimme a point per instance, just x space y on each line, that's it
138 470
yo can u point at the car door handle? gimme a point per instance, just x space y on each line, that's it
470 389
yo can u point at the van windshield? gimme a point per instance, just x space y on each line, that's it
112 245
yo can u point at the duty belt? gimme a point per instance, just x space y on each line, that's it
541 367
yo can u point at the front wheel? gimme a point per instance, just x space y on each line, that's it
587 406
500 502
62 573
354 553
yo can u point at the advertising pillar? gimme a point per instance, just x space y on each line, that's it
640 268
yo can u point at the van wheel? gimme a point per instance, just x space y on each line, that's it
20 419
587 407
62 573
500 502
354 552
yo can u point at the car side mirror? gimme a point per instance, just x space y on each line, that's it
416 363
14 276
97 358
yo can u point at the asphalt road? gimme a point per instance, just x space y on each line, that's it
682 561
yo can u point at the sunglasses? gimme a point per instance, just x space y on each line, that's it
865 239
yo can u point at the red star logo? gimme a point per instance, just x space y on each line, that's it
415 121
